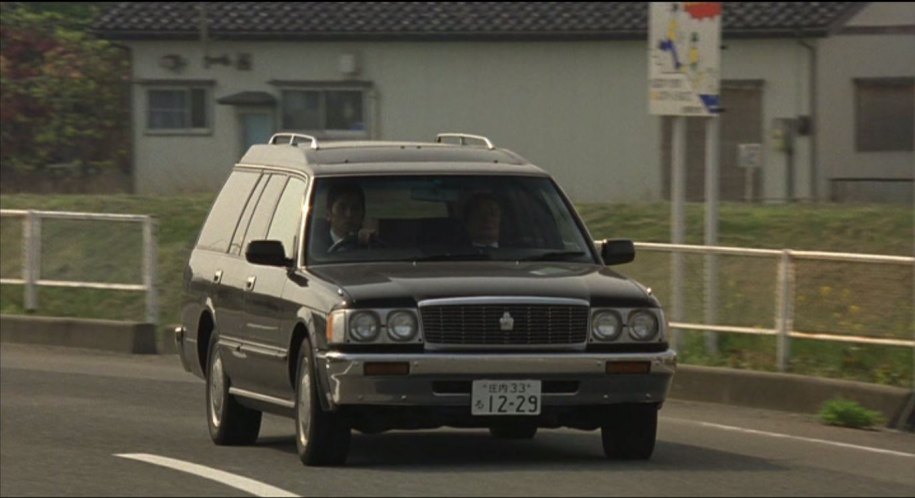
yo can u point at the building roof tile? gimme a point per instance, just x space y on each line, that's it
447 20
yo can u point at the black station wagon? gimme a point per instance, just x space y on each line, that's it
373 286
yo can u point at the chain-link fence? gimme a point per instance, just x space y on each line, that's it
73 252
786 301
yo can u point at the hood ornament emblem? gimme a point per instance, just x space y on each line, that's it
507 322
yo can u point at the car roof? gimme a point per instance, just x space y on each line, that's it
387 157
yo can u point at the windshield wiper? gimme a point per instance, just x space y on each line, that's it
553 256
472 256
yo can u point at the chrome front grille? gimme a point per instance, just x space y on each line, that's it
485 324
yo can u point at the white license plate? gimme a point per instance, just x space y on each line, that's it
505 397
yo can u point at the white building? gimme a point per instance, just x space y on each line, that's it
563 84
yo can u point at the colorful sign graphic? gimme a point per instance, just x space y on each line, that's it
684 53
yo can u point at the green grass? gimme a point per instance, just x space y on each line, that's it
845 298
847 413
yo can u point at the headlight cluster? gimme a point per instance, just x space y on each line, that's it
373 326
607 325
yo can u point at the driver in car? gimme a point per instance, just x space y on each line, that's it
345 213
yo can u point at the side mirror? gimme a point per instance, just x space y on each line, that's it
617 251
267 252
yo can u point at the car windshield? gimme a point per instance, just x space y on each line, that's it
442 218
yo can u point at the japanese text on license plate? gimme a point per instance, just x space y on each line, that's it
505 397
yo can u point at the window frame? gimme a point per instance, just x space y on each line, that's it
188 90
859 132
364 89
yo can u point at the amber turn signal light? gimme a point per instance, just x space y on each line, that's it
386 368
628 367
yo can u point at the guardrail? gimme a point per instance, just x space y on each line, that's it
32 257
785 289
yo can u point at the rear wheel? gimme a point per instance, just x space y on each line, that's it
629 432
518 431
230 423
322 438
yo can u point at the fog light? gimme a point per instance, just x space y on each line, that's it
628 367
386 368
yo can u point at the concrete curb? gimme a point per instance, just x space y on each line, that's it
767 390
106 335
789 392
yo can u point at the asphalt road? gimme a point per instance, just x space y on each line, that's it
66 415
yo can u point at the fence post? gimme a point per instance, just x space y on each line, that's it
150 256
784 309
31 267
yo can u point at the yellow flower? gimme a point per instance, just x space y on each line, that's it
825 290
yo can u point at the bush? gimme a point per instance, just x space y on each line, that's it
847 413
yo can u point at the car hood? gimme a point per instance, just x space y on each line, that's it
405 284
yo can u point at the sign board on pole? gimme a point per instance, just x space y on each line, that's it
684 51
749 155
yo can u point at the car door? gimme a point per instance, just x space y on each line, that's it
269 320
213 264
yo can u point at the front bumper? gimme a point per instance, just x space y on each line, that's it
345 383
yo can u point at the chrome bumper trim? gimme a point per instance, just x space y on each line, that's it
343 377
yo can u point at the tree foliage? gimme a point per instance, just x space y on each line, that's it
63 94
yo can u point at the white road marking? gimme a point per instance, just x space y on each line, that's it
256 488
799 438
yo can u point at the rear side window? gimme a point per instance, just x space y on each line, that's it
220 225
260 222
285 224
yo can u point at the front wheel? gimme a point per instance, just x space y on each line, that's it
230 423
629 432
321 438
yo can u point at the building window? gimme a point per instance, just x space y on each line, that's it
338 112
177 109
884 114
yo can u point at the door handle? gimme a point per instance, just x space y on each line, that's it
217 277
249 284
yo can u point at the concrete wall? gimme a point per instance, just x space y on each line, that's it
863 54
784 68
577 109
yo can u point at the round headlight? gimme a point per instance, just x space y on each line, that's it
643 326
402 326
606 325
363 326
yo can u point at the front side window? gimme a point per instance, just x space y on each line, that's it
177 109
443 218
329 111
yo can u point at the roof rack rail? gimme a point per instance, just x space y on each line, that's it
463 138
292 137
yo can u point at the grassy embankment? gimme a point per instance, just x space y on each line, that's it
854 299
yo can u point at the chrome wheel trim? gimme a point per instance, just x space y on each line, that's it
216 391
303 413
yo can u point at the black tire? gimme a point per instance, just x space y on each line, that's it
517 431
230 423
321 438
630 432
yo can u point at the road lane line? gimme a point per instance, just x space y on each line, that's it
799 438
256 488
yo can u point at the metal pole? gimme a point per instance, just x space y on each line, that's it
712 173
31 250
784 309
150 255
678 223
